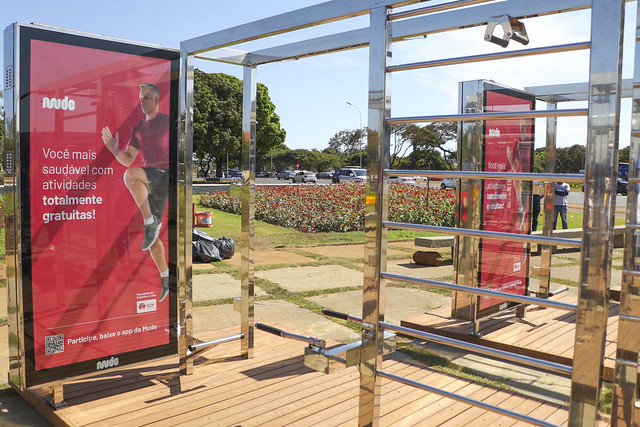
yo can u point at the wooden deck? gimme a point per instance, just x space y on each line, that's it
543 332
272 389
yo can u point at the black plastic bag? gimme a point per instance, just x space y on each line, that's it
210 249
226 246
205 251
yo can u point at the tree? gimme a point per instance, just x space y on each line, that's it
399 144
347 141
217 121
570 159
623 154
269 134
431 139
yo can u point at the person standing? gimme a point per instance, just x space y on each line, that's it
560 203
149 184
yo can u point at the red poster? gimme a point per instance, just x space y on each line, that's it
508 148
99 148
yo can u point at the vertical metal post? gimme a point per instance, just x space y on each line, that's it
249 96
607 19
13 214
469 202
376 204
185 217
549 194
624 411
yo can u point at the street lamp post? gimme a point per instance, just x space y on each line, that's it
360 129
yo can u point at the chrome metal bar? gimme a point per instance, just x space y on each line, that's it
317 342
513 176
490 57
605 70
527 238
635 319
559 291
375 212
482 292
481 349
340 9
342 316
184 277
573 112
633 273
206 344
467 400
247 290
436 8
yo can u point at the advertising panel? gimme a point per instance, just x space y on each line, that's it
98 147
508 147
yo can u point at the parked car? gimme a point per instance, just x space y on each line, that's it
323 175
237 176
448 183
402 180
353 175
304 176
335 177
284 175
622 186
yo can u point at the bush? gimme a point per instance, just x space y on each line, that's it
324 208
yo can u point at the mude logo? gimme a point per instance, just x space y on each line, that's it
108 363
58 104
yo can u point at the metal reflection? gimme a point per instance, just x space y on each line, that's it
607 19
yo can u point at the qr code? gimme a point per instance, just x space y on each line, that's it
54 344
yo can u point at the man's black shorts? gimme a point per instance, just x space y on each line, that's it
159 188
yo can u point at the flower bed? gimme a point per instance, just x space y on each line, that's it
323 208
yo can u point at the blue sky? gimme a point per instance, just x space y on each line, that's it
311 94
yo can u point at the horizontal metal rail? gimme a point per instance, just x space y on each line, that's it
316 342
436 8
342 316
472 117
464 399
483 234
546 365
490 57
541 302
201 345
513 176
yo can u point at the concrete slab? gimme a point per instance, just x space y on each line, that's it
401 303
301 279
573 273
218 286
410 268
262 258
347 251
282 313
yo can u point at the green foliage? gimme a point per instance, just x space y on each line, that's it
428 144
623 154
217 121
570 159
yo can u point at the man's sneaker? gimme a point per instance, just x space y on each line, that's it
164 288
151 233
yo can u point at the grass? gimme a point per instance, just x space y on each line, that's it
268 236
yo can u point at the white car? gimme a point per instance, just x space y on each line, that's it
448 183
402 180
304 176
353 175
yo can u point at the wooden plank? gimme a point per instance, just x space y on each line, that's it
274 388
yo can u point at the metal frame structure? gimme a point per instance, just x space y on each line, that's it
603 93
